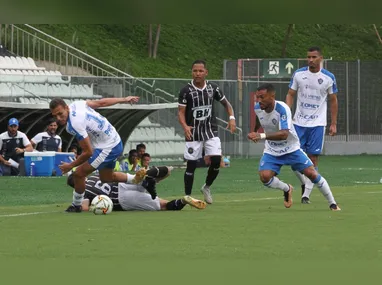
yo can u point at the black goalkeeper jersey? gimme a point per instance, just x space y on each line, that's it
200 110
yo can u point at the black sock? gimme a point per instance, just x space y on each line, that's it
157 172
189 176
150 185
175 205
213 170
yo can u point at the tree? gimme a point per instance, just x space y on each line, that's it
377 33
150 40
286 39
156 41
153 49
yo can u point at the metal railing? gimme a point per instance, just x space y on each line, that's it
54 54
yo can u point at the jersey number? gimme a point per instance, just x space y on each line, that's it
104 187
99 121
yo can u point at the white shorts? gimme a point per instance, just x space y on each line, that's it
194 150
133 197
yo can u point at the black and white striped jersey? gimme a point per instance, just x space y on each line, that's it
200 110
95 187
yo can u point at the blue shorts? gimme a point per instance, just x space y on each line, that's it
297 159
311 139
106 158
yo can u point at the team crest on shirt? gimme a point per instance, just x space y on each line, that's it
57 141
274 121
190 150
210 91
283 117
320 80
17 141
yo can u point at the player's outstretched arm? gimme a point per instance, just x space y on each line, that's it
290 97
105 102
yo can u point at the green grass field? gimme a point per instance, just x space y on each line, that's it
246 236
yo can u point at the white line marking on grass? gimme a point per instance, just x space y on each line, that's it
253 199
365 182
24 214
362 168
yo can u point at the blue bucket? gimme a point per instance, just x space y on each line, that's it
62 156
43 163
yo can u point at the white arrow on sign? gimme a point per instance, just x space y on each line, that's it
289 67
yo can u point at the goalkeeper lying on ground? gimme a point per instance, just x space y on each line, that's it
132 197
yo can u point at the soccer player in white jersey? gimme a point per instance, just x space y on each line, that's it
314 86
282 147
101 144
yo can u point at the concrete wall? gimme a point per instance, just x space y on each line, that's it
352 148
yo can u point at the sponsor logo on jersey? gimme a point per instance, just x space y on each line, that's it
307 117
305 105
201 113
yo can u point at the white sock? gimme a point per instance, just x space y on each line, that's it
78 198
277 184
300 177
130 177
308 187
324 188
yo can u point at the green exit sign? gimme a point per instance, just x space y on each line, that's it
278 68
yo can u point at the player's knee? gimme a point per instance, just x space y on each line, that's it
311 173
78 175
215 161
265 176
191 166
70 180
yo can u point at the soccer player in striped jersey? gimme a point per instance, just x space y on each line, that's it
314 86
282 147
197 118
136 197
